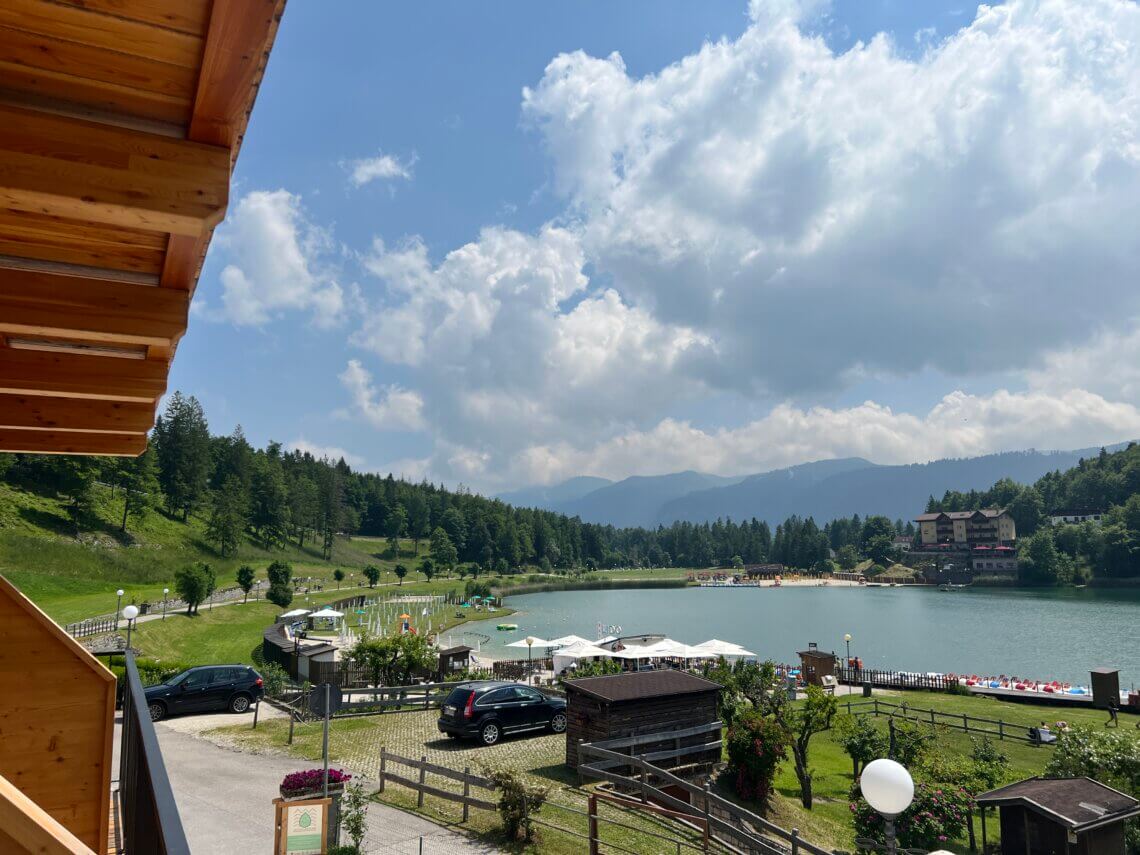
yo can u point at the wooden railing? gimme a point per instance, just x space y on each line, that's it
150 822
423 767
728 823
91 626
954 721
892 679
27 827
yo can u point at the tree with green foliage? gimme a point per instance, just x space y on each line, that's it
456 527
862 741
443 551
427 568
304 507
401 571
397 526
245 578
372 574
280 575
803 721
394 660
419 519
137 480
1040 562
847 557
269 499
182 440
228 516
194 584
338 575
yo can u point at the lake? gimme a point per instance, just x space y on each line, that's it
1047 634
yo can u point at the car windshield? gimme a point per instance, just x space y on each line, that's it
177 678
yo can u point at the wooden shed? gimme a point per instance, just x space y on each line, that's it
815 665
639 703
1060 816
454 659
57 719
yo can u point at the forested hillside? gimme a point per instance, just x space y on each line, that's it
1108 483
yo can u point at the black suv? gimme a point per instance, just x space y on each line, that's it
487 710
208 688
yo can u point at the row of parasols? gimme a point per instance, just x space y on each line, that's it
571 648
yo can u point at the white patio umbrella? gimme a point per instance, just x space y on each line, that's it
605 640
716 647
327 613
296 613
584 650
567 640
536 642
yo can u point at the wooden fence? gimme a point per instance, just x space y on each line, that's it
514 669
424 768
728 824
954 721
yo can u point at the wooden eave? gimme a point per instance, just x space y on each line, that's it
120 122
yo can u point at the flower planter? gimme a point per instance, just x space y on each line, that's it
309 784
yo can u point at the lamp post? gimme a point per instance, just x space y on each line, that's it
130 613
888 789
118 603
529 647
847 638
165 591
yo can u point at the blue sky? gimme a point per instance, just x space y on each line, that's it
815 236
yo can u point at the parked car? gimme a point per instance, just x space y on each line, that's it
489 709
207 688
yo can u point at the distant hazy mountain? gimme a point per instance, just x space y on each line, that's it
546 497
825 490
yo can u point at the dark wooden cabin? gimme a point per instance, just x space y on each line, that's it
454 659
637 703
1060 816
815 665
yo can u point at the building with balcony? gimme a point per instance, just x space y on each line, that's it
990 527
1075 516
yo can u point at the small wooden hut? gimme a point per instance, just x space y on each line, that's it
815 665
639 703
1060 816
454 659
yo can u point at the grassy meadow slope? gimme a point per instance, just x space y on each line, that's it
74 576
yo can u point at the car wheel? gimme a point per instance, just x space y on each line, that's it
239 703
489 734
157 711
558 723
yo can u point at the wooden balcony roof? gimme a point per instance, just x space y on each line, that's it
120 121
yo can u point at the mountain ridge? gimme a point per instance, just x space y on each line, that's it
823 489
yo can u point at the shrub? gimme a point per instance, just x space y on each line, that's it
279 595
275 678
757 745
862 741
936 815
354 815
517 800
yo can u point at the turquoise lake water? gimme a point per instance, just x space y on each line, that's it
1052 634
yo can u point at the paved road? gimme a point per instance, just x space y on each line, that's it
226 797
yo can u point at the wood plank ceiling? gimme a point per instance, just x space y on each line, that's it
120 121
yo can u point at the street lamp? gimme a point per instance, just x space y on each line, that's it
888 789
847 638
118 603
130 613
165 591
529 645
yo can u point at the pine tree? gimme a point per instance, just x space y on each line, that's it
137 480
228 516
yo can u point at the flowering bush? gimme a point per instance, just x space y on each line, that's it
936 815
757 745
311 781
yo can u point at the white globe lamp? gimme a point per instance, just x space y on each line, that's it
130 613
889 789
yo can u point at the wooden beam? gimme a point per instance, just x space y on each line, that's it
89 171
237 47
62 442
39 412
66 375
183 261
37 303
26 827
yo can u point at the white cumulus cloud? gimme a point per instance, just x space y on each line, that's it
332 452
379 168
387 408
274 264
